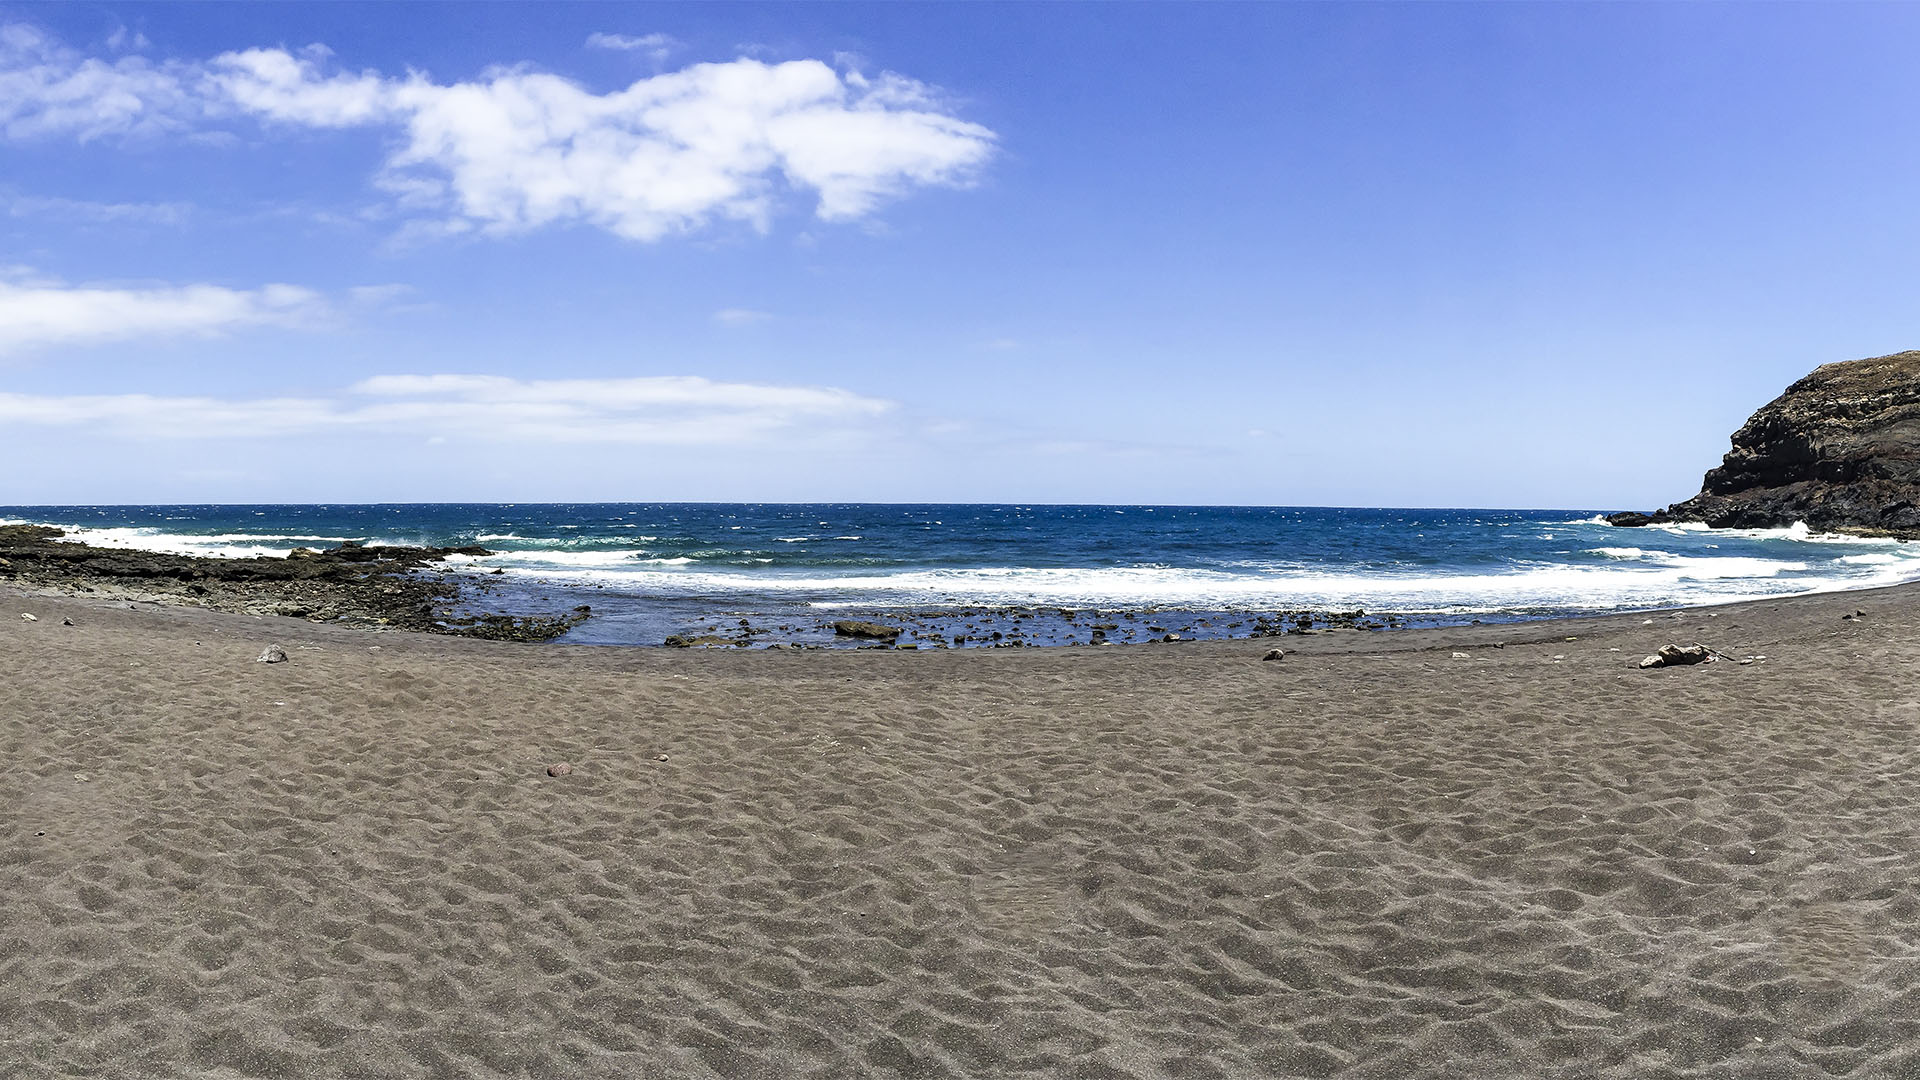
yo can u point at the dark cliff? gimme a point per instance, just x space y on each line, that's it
1839 450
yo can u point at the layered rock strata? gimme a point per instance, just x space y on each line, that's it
1839 450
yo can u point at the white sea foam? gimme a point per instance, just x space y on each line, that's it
213 545
547 559
1675 580
1798 531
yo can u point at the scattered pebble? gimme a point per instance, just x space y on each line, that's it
29 617
80 776
272 654
1461 656
560 768
1274 654
661 757
66 622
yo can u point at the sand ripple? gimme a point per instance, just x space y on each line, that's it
1367 860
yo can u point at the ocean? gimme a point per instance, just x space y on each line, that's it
982 575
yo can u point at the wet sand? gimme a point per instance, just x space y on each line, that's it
1374 858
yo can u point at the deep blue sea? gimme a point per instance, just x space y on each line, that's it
650 570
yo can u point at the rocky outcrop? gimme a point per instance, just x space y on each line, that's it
1839 450
364 585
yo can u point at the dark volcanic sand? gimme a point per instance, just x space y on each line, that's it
1369 859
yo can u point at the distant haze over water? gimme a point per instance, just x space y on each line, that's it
654 569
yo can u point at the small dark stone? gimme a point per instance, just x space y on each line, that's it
874 631
1274 654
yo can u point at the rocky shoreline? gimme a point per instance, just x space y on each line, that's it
1014 627
372 587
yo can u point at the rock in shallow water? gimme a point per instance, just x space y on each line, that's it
854 628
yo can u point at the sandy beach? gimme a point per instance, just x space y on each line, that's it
1495 851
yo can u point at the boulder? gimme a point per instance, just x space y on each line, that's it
1677 656
1629 519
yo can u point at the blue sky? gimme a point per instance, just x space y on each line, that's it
1346 254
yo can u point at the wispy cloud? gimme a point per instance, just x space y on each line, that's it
734 316
518 149
659 410
47 88
36 313
39 206
657 46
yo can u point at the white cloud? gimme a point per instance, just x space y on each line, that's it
734 316
517 149
46 88
280 86
36 312
656 410
657 46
